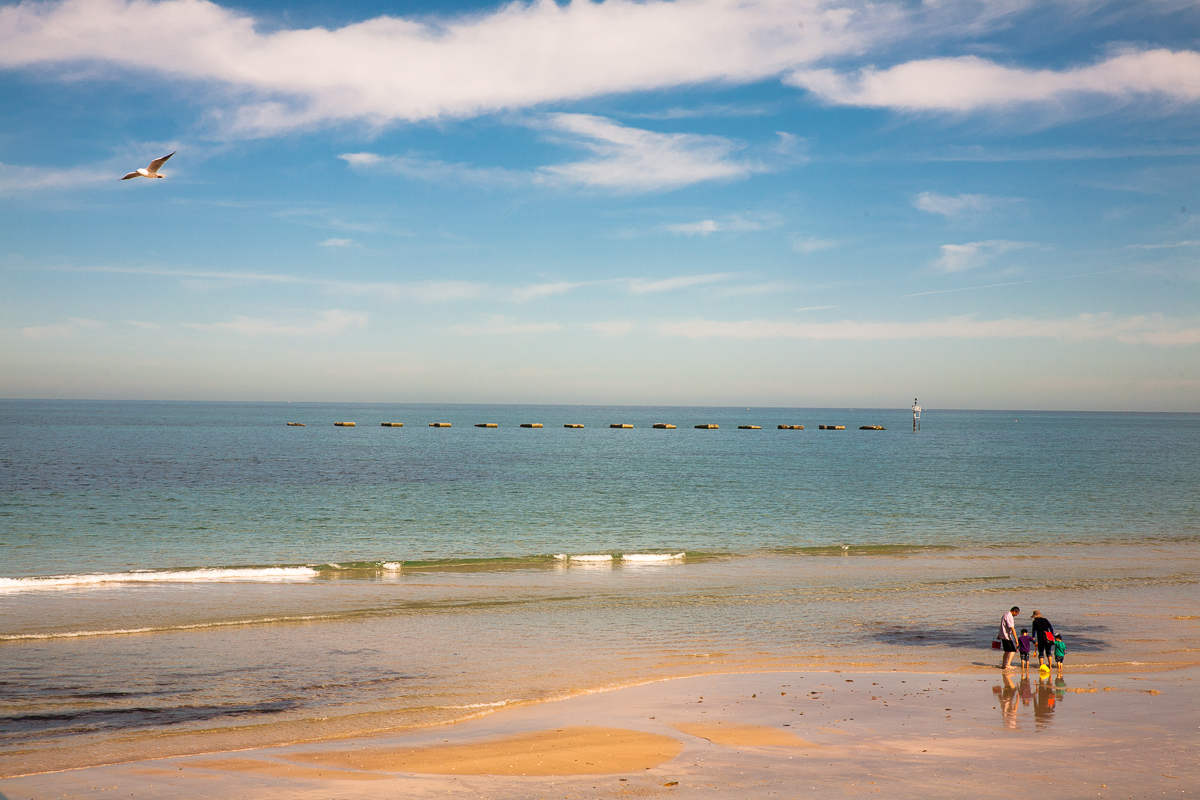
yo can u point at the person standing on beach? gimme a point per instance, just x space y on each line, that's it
1008 635
1044 632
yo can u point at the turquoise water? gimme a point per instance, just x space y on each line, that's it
99 487
183 577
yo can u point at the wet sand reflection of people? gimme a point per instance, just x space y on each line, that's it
1045 700
1008 701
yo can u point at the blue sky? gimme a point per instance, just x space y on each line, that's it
987 205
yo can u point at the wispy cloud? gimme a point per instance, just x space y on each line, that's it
812 244
613 328
146 326
735 223
538 290
961 257
958 205
499 325
1148 329
1164 245
65 330
435 171
815 308
386 69
632 159
646 286
623 159
328 322
15 178
336 243
970 83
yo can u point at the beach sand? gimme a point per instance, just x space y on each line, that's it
783 734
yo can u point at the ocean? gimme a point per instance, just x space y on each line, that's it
190 577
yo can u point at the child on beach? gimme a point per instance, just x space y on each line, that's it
1024 645
1060 652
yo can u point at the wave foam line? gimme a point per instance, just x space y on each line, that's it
150 576
164 629
592 558
652 557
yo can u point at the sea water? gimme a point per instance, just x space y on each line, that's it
183 577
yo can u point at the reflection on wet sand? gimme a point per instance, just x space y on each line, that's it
1044 697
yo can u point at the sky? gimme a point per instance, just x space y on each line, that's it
682 202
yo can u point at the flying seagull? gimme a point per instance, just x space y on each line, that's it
152 170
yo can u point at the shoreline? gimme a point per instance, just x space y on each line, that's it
710 732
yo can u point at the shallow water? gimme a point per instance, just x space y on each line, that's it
271 607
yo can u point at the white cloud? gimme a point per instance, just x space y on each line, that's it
613 328
41 333
499 325
20 179
970 83
435 171
331 321
538 290
623 159
1164 245
632 159
336 243
1154 329
644 286
146 326
957 205
961 257
812 244
734 223
815 308
396 69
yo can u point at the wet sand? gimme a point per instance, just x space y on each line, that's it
786 734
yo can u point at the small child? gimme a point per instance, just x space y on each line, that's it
1060 652
1024 644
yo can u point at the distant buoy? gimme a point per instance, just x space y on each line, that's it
871 428
531 425
749 427
486 425
620 425
344 424
296 424
439 424
664 426
572 425
391 424
790 427
708 427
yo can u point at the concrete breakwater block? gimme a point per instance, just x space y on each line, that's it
531 425
344 424
749 427
486 425
295 424
620 425
790 427
572 425
708 427
832 427
439 424
391 424
664 426
871 428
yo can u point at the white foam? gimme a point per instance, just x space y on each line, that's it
150 576
393 566
652 557
592 558
167 628
482 705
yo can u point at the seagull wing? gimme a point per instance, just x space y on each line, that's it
158 162
131 175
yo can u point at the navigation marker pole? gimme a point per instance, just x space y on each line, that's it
916 416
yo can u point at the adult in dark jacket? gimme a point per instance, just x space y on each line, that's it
1041 627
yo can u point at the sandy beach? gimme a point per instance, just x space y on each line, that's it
787 734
